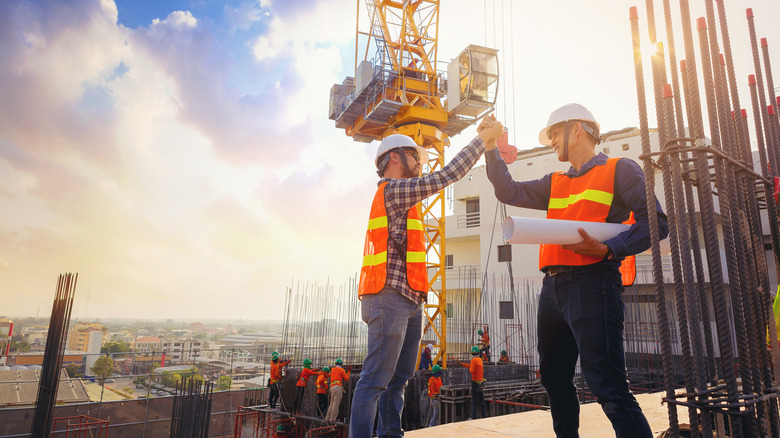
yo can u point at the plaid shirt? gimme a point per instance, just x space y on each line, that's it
401 194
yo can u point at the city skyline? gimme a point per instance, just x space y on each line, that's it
178 155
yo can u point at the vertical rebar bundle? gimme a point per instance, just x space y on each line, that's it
52 358
191 414
728 378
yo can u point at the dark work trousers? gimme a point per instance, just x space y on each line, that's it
322 404
298 397
581 314
273 395
477 398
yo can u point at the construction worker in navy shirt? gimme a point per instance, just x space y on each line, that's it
581 310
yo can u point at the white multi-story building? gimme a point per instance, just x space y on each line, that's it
477 283
181 349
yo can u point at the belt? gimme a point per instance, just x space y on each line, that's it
555 270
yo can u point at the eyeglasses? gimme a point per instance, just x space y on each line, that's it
414 152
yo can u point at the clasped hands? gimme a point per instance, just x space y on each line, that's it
489 130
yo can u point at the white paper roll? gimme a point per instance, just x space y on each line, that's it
556 231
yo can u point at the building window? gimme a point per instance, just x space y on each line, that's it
448 261
472 213
606 150
529 163
625 146
450 313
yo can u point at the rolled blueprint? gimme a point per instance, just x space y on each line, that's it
556 231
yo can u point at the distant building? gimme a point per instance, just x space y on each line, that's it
6 330
147 344
79 335
20 388
181 349
474 236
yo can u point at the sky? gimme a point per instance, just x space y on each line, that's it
178 155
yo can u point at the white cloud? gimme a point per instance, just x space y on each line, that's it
177 19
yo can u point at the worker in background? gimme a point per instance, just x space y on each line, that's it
322 391
580 311
338 378
484 342
504 358
301 384
425 358
394 277
434 389
476 369
276 378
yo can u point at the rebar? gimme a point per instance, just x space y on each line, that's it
660 293
52 358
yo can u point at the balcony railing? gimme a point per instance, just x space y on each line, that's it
468 220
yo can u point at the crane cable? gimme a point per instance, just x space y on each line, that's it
499 203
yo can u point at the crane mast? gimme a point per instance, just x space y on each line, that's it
397 89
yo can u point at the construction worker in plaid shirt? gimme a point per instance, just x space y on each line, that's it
394 277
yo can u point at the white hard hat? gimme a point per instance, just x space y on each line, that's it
399 141
430 346
570 112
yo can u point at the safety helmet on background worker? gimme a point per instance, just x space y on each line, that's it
275 356
395 141
503 352
572 112
475 350
325 369
430 346
307 363
480 332
339 362
436 369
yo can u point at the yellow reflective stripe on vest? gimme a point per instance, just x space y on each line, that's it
598 196
375 259
415 257
377 222
414 224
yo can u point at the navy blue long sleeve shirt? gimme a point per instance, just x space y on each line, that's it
629 197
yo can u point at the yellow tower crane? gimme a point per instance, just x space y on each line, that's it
397 89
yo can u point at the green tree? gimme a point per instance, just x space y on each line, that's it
115 347
73 370
170 379
104 367
223 383
19 344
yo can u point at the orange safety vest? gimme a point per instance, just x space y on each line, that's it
434 386
585 198
322 383
276 370
338 376
305 373
373 275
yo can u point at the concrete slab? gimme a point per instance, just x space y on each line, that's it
538 424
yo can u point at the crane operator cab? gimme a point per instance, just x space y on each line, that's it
472 82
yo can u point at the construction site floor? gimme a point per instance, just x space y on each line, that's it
538 424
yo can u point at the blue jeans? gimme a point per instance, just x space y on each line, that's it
433 405
394 333
581 314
